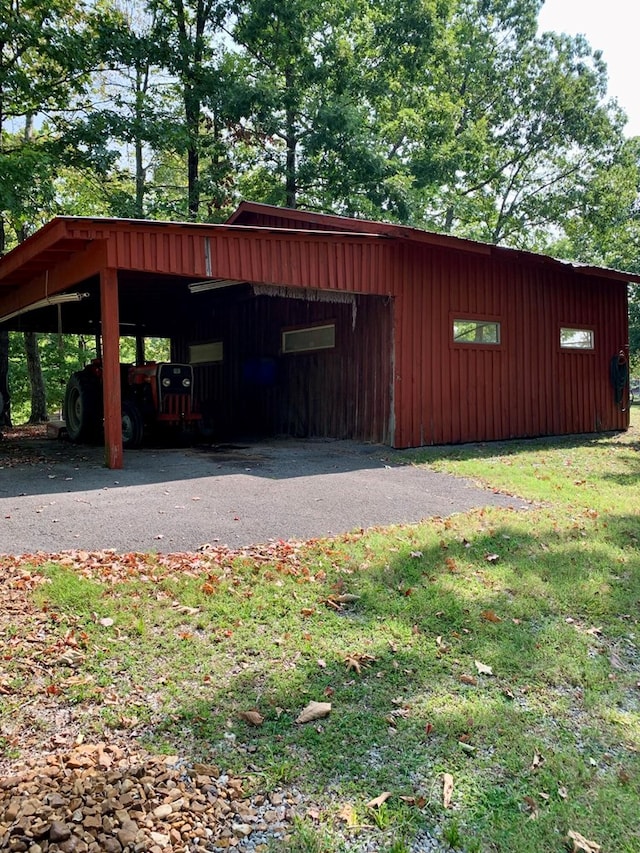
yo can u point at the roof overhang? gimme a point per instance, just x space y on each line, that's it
154 259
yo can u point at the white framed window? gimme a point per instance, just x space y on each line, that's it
574 338
483 332
207 353
309 338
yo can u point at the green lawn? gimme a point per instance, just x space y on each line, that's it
499 647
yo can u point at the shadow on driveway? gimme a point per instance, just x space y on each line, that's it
57 496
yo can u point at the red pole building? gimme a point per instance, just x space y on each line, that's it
311 325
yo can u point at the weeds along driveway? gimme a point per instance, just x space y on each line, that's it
55 496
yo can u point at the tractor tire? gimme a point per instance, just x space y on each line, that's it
132 424
82 408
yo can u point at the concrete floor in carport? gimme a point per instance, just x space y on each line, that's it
56 496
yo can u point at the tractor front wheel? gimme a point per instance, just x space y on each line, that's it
82 407
132 424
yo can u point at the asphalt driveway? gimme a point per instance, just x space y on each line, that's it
55 496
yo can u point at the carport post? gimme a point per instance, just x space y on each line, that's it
111 368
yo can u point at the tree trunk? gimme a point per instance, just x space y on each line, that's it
5 415
5 400
291 165
38 393
192 111
34 367
142 79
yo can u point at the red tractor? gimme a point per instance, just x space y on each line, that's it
154 395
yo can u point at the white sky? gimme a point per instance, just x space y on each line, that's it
612 27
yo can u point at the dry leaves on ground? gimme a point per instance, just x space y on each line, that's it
582 844
314 711
379 800
357 661
447 790
254 718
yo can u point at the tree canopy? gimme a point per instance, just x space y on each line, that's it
452 115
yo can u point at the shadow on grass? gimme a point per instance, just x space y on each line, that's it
515 447
541 612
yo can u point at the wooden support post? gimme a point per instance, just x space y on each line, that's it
111 368
140 355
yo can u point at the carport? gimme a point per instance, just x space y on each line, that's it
231 298
312 325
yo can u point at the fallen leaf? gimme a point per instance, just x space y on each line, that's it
378 801
492 558
254 718
347 813
615 661
531 807
356 661
468 679
322 663
107 622
307 611
314 711
416 554
562 792
403 713
490 616
420 802
443 648
537 762
71 658
483 669
582 844
447 790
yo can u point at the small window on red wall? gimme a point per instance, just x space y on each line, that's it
476 332
572 338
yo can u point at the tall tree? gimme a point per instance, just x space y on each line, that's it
130 108
189 33
316 70
45 53
604 228
5 397
526 126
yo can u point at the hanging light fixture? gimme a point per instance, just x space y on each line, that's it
60 299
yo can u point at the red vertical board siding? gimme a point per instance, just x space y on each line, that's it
528 386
